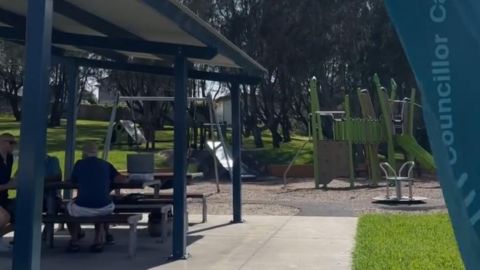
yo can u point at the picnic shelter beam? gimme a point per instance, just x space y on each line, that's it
19 23
166 71
112 43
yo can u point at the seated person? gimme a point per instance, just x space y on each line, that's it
94 177
7 145
53 173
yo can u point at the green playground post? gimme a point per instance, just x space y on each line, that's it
348 134
317 134
371 147
387 118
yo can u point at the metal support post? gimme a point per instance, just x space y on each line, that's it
180 160
72 109
236 154
36 94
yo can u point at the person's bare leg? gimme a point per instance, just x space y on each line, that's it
4 221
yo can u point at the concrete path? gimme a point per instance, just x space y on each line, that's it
262 242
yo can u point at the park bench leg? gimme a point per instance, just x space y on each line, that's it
166 210
132 237
163 223
48 230
132 240
51 210
204 210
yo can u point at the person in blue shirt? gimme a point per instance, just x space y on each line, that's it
94 177
53 172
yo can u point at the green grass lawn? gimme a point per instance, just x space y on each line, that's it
96 131
86 131
407 242
285 153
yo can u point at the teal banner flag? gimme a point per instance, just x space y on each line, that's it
441 39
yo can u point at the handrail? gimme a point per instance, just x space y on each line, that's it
387 168
410 165
291 164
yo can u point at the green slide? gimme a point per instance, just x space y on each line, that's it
422 156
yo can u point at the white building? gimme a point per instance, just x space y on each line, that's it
223 109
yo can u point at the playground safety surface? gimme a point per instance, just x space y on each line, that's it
301 198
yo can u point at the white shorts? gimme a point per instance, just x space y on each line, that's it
78 211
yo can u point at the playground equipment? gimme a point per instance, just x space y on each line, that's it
405 174
394 126
127 132
219 149
134 131
224 157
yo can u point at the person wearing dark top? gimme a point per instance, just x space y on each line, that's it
7 145
53 173
94 178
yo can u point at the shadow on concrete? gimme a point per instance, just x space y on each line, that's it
151 253
210 228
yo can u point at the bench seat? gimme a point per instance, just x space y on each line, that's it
130 219
164 208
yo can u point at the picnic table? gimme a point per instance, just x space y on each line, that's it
165 178
160 178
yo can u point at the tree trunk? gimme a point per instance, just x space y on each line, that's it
152 138
286 127
257 137
195 137
276 138
15 108
55 114
203 136
58 89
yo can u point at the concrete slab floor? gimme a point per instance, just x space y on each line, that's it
262 242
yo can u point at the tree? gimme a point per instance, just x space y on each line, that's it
342 43
58 86
11 75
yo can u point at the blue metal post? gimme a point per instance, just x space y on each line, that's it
180 160
36 94
72 85
236 154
